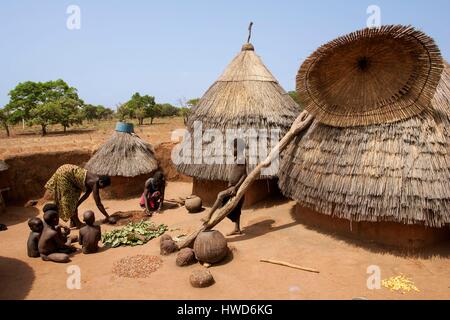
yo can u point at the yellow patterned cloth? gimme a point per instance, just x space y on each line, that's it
66 186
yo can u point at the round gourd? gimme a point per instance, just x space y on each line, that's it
210 246
193 203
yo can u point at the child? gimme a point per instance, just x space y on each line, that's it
51 241
236 178
153 196
36 227
90 235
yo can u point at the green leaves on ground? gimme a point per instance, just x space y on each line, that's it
134 233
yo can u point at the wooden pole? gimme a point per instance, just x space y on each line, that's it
290 265
301 123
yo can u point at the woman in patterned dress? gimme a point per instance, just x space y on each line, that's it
66 186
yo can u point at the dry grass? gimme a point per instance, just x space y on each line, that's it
393 172
371 76
245 96
89 136
125 155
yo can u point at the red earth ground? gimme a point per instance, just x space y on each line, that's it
270 232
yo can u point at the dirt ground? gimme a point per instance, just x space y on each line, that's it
88 136
270 231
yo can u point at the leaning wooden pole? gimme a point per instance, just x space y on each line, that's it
301 123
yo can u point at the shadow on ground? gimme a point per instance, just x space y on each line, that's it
16 278
15 215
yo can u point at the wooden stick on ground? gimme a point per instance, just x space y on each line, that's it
301 123
290 265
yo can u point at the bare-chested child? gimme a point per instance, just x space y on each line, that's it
36 227
51 241
90 234
237 176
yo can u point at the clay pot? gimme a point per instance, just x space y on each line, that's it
210 246
201 278
193 203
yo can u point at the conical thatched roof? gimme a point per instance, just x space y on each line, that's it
124 154
393 172
371 76
246 96
3 166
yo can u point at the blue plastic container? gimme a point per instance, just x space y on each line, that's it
124 127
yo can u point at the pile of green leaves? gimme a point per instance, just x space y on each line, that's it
133 234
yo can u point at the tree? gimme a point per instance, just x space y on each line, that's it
168 110
141 107
89 112
45 114
295 97
5 119
103 113
69 112
34 102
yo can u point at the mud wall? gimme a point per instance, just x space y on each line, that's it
28 173
384 232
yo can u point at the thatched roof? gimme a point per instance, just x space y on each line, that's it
3 166
392 172
245 96
124 154
371 76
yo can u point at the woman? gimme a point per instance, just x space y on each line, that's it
66 186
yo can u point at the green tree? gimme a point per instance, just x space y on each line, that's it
45 114
5 119
89 112
103 113
69 112
295 97
168 110
141 107
32 102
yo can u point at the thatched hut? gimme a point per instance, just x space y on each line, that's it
382 176
127 159
246 98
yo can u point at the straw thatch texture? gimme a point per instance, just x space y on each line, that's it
371 76
124 155
393 172
246 96
3 166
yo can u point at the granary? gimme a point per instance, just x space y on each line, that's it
127 159
375 163
248 98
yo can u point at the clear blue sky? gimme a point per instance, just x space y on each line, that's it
174 49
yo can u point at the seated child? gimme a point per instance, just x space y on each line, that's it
90 235
36 227
52 241
63 231
153 196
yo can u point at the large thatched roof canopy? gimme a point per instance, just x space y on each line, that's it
395 171
125 155
371 76
246 96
